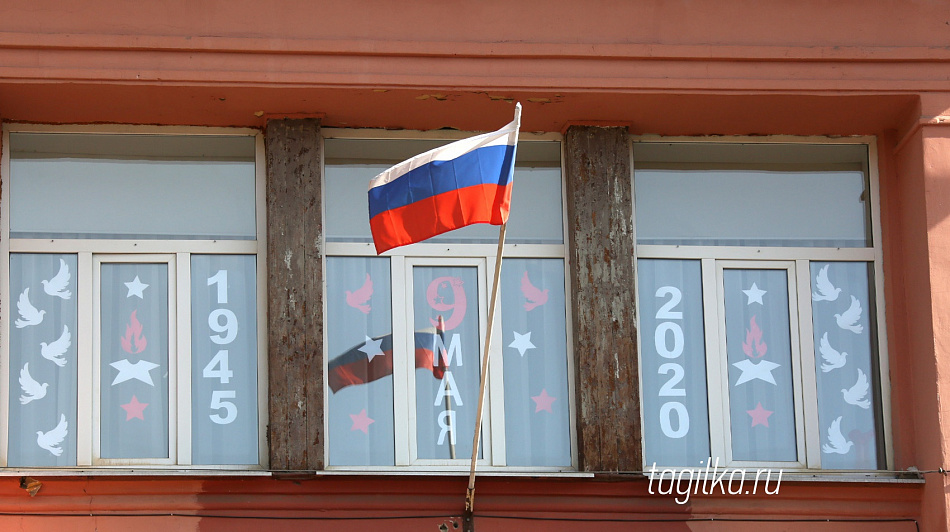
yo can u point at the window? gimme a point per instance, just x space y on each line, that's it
404 331
762 330
134 288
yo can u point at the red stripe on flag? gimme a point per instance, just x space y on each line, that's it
441 213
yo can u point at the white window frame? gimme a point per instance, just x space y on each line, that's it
797 262
177 253
451 254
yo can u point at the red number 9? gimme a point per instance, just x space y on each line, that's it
437 302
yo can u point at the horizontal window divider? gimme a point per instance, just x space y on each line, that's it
449 250
64 245
754 253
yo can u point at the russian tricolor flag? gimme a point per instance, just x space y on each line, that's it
462 183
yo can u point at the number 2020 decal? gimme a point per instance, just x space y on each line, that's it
669 342
225 323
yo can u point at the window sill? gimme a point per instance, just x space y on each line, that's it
132 472
448 473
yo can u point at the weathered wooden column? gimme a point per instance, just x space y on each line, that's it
600 229
295 294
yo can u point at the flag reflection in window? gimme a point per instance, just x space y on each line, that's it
359 367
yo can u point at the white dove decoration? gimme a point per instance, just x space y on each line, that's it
32 390
51 440
826 291
831 359
836 442
849 319
54 351
858 394
57 285
28 313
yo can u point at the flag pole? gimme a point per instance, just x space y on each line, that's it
470 494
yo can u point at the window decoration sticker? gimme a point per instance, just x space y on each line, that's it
361 421
675 405
535 297
832 359
43 375
32 390
759 352
436 295
824 290
543 401
849 318
136 288
224 363
134 360
51 440
134 409
760 416
29 315
754 294
54 351
857 395
361 296
56 286
522 342
133 342
837 443
845 381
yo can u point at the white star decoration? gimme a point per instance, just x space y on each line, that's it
751 370
127 371
522 342
372 348
136 287
755 295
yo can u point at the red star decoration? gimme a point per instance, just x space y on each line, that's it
361 421
134 409
760 416
543 401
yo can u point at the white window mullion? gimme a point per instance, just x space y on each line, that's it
96 359
183 360
495 424
809 381
719 362
717 377
173 344
404 395
85 363
797 383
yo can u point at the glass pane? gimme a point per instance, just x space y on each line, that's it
535 198
43 378
134 360
224 359
131 186
534 342
673 358
848 408
758 347
360 367
447 391
706 194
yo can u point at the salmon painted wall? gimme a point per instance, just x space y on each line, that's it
688 67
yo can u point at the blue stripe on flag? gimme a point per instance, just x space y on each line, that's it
488 165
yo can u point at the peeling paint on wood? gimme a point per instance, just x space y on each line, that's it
600 227
294 291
